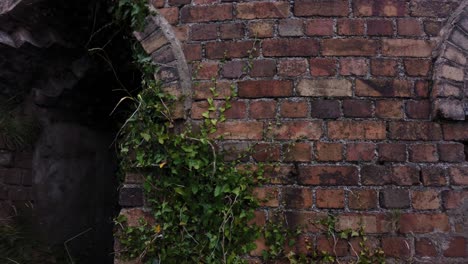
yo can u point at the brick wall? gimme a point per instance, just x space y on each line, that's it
341 94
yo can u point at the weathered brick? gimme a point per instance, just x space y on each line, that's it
261 29
297 198
240 130
231 31
418 109
192 52
296 130
319 27
298 152
384 88
425 247
423 223
388 8
423 153
452 152
354 130
454 199
322 67
304 220
235 151
321 8
155 41
384 67
267 196
328 175
203 90
290 28
178 2
455 131
131 197
290 47
327 244
452 73
263 109
394 198
406 48
459 175
263 68
453 54
238 110
433 176
193 14
421 88
350 27
456 247
171 14
329 151
353 66
432 28
425 200
233 69
294 109
369 223
266 152
357 108
324 87
360 152
415 131
349 47
256 10
362 199
405 175
392 109
204 32
398 247
292 67
375 175
265 88
434 8
231 49
325 108
330 199
379 27
409 27
205 70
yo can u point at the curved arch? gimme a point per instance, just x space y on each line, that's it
450 90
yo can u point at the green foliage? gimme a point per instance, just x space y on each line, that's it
131 12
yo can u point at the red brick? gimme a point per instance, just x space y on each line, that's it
433 8
328 175
455 131
409 27
292 67
406 48
263 109
233 69
171 14
231 31
178 2
267 196
265 88
418 109
330 199
459 175
322 67
257 10
304 220
203 90
357 108
297 198
294 109
290 47
325 244
424 223
452 152
205 70
296 130
240 130
384 67
200 107
193 14
204 2
266 152
261 29
329 151
417 67
349 47
384 88
298 152
379 27
425 200
259 218
263 68
456 247
432 28
375 175
362 199
415 131
238 110
454 199
157 3
321 8
389 109
394 198
433 176
291 28
319 27
424 247
423 153
181 32
405 175
350 27
192 52
325 109
220 50
388 8
421 88
356 130
353 66
360 151
398 247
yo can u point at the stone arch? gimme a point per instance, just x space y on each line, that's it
450 91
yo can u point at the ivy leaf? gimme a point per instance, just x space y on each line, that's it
145 136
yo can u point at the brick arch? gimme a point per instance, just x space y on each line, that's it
159 40
450 90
